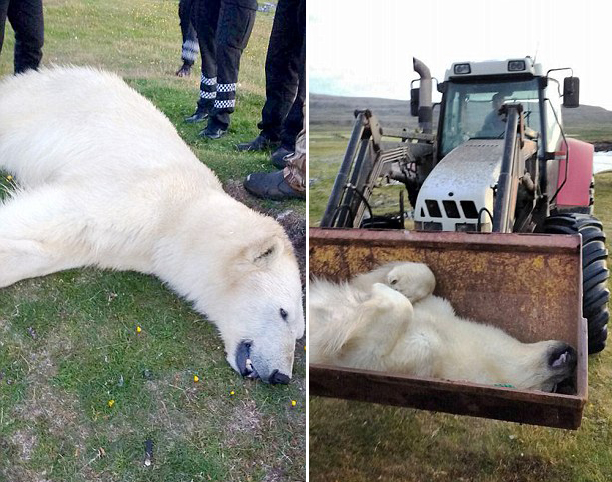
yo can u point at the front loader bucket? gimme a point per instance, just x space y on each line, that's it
528 285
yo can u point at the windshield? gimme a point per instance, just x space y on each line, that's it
471 110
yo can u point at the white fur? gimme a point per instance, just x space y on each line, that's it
105 180
373 326
413 280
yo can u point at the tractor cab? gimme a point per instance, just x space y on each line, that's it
473 94
473 152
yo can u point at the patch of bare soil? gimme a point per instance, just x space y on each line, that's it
25 441
47 406
176 424
245 419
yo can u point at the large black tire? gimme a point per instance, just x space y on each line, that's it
595 294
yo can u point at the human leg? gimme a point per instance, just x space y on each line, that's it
26 17
234 29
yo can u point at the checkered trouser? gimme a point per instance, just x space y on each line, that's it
224 28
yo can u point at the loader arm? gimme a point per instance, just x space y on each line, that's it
517 149
364 164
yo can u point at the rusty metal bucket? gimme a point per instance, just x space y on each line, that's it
528 285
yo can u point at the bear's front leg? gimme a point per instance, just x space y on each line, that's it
22 259
34 232
382 321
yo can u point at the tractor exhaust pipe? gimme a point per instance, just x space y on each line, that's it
425 106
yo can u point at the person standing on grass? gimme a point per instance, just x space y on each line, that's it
288 183
190 48
26 18
223 28
282 116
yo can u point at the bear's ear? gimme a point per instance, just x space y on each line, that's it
263 252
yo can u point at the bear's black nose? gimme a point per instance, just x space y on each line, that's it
277 377
563 357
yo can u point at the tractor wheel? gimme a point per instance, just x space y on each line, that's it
595 273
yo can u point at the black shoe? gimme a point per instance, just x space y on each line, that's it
260 143
184 71
271 185
279 157
198 116
213 132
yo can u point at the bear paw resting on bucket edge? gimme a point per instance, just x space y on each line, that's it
389 320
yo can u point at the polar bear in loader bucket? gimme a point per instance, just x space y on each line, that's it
389 320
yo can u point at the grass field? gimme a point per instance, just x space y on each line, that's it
366 442
81 389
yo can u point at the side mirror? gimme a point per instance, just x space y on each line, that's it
571 92
414 102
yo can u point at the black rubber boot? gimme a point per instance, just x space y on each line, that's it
271 185
260 143
199 115
213 131
184 71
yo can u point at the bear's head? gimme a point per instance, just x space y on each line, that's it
253 294
265 316
240 271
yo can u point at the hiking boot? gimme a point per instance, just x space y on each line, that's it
198 116
260 143
279 157
271 185
213 132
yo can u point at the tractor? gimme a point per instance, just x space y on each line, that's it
500 161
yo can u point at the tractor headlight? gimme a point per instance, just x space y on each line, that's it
461 69
516 65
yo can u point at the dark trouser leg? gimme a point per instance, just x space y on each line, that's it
206 20
26 17
190 48
3 11
294 122
236 21
281 68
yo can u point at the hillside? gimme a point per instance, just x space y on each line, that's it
591 123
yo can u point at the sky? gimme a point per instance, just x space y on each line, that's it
365 47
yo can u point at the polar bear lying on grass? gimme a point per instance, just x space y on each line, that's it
389 320
104 179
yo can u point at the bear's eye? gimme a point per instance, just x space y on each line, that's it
283 314
393 282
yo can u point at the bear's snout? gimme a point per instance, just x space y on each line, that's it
563 357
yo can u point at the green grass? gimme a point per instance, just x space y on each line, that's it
69 344
326 150
364 442
591 132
